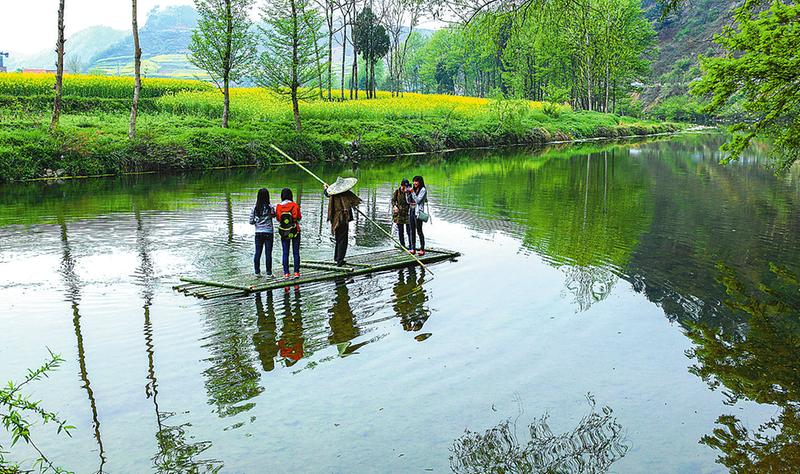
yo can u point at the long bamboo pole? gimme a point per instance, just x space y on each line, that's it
400 246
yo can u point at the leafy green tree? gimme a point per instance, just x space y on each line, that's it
289 60
587 52
224 43
372 41
761 68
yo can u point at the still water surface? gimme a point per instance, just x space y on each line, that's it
589 309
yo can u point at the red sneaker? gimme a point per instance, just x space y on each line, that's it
421 253
297 274
413 252
286 275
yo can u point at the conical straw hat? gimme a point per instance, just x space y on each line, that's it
341 185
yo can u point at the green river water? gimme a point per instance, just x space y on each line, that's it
618 307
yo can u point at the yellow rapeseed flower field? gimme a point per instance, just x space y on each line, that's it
264 104
188 97
80 85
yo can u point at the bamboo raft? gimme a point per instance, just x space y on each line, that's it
312 271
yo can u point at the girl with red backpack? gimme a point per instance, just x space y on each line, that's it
289 215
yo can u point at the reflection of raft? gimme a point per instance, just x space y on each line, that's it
314 271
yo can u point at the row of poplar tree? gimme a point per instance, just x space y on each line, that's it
589 53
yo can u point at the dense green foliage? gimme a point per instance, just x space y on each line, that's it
372 42
587 53
760 68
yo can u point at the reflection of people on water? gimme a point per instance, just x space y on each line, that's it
261 216
264 339
290 345
340 214
410 298
400 210
418 214
342 323
289 216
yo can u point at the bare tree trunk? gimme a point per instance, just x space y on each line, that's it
137 72
344 49
226 64
329 13
355 76
59 67
608 74
588 75
295 62
318 58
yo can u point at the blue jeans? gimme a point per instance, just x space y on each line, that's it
264 241
295 243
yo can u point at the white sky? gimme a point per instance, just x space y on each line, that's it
29 26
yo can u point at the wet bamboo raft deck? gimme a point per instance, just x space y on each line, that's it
311 271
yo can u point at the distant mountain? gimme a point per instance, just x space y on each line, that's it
82 46
165 41
682 36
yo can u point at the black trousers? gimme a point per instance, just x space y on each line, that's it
341 235
416 236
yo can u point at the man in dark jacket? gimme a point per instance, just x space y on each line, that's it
340 213
400 209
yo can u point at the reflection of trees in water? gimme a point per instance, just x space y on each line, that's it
73 286
758 364
174 453
232 377
589 285
591 447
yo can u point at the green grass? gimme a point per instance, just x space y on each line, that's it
179 127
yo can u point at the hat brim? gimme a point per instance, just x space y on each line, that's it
341 185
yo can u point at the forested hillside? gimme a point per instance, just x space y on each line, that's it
682 36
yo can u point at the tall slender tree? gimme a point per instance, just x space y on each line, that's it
289 59
346 9
224 44
137 71
59 67
372 41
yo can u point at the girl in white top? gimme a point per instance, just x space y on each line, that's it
418 198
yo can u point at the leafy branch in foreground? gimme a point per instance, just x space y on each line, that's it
16 408
761 68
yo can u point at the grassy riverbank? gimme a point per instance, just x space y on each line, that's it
179 126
